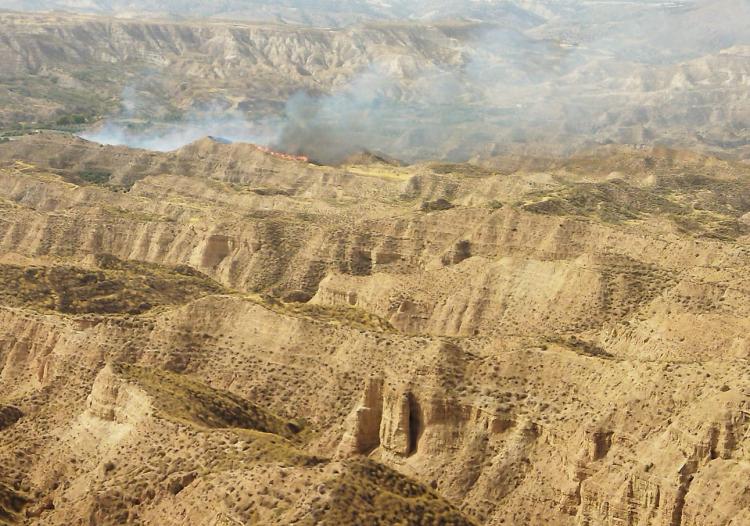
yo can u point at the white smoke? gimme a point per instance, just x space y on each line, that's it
594 72
164 137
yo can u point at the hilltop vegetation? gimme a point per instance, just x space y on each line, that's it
113 287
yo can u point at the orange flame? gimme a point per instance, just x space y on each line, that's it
285 156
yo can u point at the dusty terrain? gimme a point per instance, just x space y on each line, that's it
219 335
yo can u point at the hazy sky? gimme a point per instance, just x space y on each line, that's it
344 11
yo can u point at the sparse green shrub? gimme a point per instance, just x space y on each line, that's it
71 120
436 205
94 176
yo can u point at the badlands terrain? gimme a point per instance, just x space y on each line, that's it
488 263
220 335
514 82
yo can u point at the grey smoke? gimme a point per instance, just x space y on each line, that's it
592 73
170 136
375 111
131 127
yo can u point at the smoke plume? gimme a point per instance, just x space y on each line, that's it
639 72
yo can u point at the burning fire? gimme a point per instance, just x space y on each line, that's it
285 156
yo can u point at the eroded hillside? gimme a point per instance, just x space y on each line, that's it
82 64
221 335
455 90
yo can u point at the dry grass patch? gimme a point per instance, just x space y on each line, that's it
368 493
186 399
336 315
116 287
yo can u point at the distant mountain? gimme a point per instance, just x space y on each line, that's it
310 12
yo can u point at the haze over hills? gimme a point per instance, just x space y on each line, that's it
311 12
453 90
247 275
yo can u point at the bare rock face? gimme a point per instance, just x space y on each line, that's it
417 422
114 400
363 425
398 432
29 346
214 250
384 418
459 252
650 492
